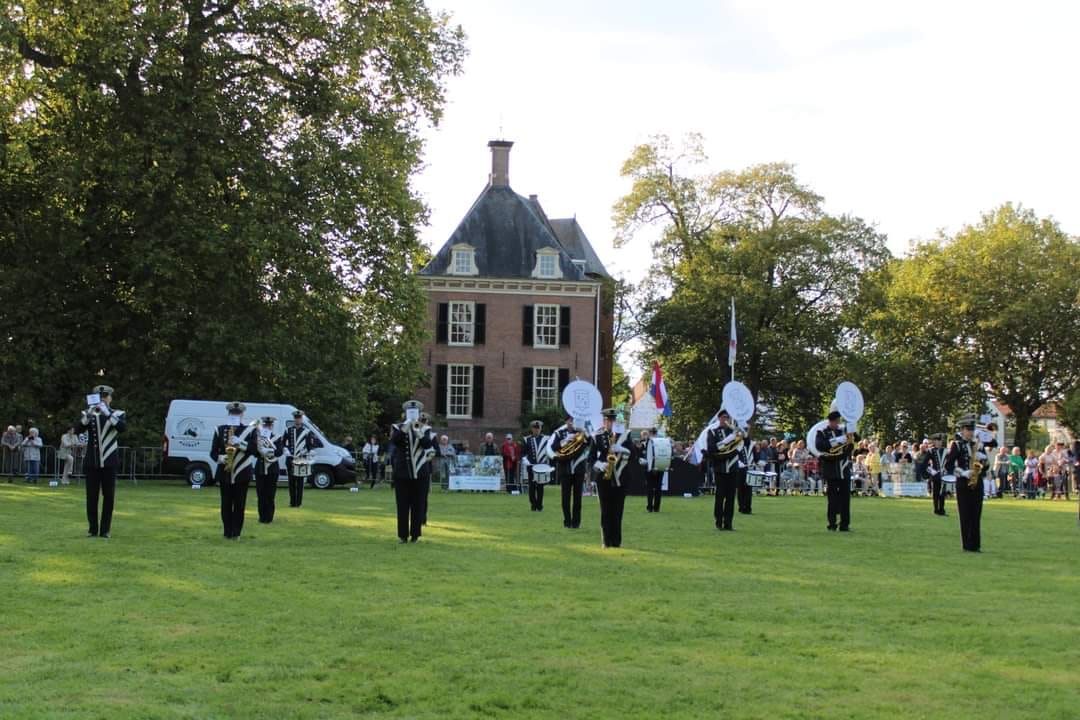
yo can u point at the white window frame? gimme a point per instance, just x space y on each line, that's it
543 254
537 343
450 385
554 385
471 324
459 252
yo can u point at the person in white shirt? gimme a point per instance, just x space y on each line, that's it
370 454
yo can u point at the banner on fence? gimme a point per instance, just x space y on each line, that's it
904 489
469 472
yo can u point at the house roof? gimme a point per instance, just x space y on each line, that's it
1045 412
506 231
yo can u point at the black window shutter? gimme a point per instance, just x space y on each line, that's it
440 390
478 391
564 379
527 326
442 332
526 387
564 325
480 320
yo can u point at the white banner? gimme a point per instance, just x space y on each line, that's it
904 489
469 472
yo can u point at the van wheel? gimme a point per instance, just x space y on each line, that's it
198 474
322 478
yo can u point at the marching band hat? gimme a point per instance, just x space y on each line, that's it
413 404
966 421
103 390
235 408
835 415
723 413
938 436
537 424
297 413
267 419
609 414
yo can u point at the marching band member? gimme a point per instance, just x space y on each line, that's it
967 460
103 425
654 479
722 445
266 469
533 444
571 449
745 493
609 457
425 419
236 448
414 446
298 442
836 446
935 468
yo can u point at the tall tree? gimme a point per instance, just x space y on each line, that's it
758 236
212 198
1000 302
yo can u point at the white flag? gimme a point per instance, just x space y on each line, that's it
734 343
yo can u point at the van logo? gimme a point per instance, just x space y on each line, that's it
190 429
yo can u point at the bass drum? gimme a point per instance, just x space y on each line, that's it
658 456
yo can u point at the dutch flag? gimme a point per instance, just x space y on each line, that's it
663 403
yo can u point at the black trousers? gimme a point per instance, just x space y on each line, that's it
536 493
265 490
371 470
654 484
838 493
296 490
100 481
969 502
572 485
612 502
724 505
233 501
937 492
745 494
410 496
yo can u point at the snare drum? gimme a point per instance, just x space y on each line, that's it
542 473
658 456
301 467
948 484
755 478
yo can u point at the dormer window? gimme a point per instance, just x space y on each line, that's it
463 260
547 264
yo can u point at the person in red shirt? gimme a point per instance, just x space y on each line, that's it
511 455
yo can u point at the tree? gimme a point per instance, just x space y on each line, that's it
1068 411
211 198
997 304
758 236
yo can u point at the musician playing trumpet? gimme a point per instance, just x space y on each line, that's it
610 455
570 449
722 445
414 447
967 461
835 445
271 448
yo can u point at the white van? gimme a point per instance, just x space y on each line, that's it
189 431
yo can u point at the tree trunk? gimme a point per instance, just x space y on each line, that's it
1022 416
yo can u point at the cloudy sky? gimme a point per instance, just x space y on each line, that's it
914 115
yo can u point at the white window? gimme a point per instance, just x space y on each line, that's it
545 386
463 260
546 326
462 315
459 391
548 265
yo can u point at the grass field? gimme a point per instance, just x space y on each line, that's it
499 612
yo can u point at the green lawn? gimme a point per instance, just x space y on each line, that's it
499 612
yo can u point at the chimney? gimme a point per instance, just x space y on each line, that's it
500 163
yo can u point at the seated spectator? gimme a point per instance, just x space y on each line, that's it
69 446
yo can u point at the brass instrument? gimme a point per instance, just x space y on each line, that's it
572 448
976 466
612 459
733 444
230 451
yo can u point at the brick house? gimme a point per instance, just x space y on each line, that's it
518 306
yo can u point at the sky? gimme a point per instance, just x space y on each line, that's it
916 116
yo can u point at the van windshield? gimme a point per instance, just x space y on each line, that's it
313 426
